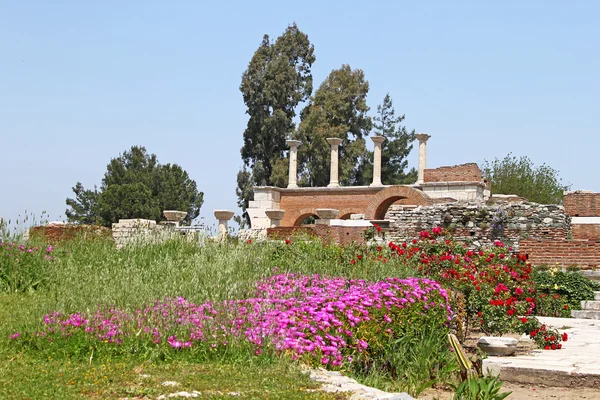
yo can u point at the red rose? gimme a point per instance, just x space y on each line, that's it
287 241
510 312
565 337
359 257
352 262
524 320
546 347
553 346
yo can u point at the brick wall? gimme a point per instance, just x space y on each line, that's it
53 234
582 204
343 235
371 201
586 231
456 173
583 253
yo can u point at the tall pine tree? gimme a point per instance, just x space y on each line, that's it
277 79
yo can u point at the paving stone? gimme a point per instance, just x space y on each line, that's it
576 364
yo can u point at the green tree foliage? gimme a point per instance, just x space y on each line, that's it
519 176
136 185
84 207
395 149
277 79
338 109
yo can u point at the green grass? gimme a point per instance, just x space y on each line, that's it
87 274
23 376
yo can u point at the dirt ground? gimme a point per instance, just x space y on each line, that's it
523 392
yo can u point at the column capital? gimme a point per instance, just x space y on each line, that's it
422 137
334 141
293 143
378 139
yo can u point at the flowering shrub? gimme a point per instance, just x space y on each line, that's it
22 267
326 321
560 289
496 283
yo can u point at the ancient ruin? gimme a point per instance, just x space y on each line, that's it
457 198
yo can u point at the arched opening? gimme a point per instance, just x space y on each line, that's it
382 209
380 204
306 219
346 216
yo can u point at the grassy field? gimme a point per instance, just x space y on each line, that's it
86 274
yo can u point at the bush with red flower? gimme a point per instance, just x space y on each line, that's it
496 283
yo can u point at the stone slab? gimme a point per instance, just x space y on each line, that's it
576 364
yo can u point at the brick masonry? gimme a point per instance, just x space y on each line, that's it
583 253
456 173
586 231
343 235
373 202
582 203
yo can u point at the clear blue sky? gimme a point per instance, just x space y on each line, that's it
80 82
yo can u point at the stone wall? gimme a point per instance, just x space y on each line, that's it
145 231
481 224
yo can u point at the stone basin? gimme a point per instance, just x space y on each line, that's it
497 346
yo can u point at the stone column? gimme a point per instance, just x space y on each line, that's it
275 216
377 160
333 174
293 173
422 138
223 216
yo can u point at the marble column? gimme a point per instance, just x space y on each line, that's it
378 140
293 173
422 138
333 174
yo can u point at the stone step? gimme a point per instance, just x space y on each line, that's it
586 314
590 305
596 295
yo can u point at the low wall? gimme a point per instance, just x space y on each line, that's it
144 231
584 253
343 235
53 234
481 223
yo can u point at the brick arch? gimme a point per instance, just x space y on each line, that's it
345 212
300 215
380 203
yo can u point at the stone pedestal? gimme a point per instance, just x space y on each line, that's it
174 217
333 173
378 140
223 216
326 215
422 138
275 216
293 172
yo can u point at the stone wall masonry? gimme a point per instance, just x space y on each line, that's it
474 221
143 231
